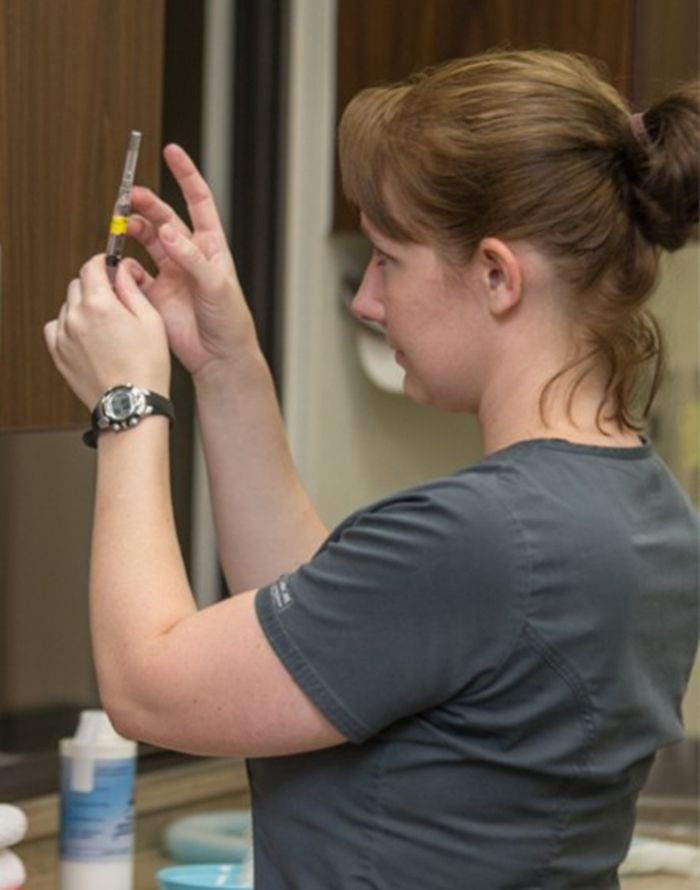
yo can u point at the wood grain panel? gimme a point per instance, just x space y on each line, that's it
385 40
667 48
75 77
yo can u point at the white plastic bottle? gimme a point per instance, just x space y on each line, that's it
97 807
12 871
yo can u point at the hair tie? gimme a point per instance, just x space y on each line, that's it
639 129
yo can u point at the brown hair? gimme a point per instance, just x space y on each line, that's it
537 145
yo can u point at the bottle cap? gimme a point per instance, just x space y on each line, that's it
96 737
12 870
13 826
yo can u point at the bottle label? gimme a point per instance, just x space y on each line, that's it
97 825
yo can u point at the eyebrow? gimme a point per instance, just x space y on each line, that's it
375 239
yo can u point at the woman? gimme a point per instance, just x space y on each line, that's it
464 685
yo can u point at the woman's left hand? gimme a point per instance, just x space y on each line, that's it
104 336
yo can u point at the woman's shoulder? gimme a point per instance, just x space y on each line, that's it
467 508
527 482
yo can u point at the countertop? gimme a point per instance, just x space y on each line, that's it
160 797
213 784
658 882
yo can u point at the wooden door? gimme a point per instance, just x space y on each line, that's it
385 40
76 76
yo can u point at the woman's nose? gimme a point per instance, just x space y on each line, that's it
366 305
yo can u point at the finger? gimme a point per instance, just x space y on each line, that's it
198 196
142 278
94 281
188 256
61 318
61 332
154 209
146 234
50 334
129 291
74 293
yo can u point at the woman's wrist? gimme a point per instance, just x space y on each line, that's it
151 431
245 369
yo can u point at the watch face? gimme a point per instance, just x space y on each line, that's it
123 402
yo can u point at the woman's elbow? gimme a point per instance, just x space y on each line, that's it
122 699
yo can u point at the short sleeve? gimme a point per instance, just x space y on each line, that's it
408 603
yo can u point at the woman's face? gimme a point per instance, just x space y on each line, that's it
431 318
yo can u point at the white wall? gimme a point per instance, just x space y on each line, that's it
677 304
677 427
353 442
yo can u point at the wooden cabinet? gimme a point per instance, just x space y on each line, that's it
643 43
76 76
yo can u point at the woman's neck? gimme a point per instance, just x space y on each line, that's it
512 410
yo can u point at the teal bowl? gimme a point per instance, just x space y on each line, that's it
220 836
197 877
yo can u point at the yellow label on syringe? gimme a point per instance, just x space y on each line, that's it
118 225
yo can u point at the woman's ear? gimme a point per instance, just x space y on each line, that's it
500 276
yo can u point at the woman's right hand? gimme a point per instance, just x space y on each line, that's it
196 289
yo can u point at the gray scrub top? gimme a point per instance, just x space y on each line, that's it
504 648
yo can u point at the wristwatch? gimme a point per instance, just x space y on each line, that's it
122 407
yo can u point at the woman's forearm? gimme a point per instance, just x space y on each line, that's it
168 673
138 584
264 520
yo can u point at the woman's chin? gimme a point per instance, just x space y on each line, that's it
413 390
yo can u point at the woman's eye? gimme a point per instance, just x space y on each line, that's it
381 258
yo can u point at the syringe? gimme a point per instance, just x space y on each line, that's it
122 206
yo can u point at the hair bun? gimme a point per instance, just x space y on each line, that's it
664 151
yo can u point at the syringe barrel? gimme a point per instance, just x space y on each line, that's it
118 223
